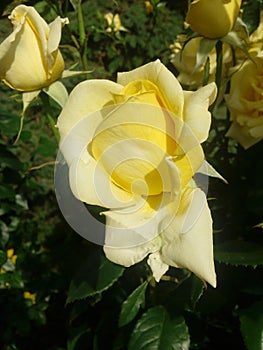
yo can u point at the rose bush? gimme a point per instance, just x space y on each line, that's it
213 18
29 57
133 147
245 102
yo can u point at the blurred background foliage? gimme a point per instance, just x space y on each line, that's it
57 291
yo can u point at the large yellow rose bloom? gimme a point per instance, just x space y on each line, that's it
213 18
29 57
133 147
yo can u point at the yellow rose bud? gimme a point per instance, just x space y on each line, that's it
213 18
29 57
245 101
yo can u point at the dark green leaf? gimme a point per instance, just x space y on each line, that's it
6 192
9 124
77 334
8 159
3 257
132 304
251 15
96 275
155 330
196 290
239 253
251 320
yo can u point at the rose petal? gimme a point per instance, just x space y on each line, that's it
196 113
167 83
89 183
242 135
189 238
157 266
87 97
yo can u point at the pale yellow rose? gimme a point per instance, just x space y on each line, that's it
213 18
133 147
29 57
184 58
245 102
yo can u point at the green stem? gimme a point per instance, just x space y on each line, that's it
219 68
82 38
219 64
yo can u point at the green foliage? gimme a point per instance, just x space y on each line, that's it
132 304
251 14
251 320
239 253
87 284
156 330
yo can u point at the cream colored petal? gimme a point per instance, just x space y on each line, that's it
54 37
53 40
167 83
189 238
242 135
257 131
36 23
157 266
77 140
90 184
40 28
136 225
86 98
196 113
130 256
146 220
131 144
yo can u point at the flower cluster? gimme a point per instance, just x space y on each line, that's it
196 59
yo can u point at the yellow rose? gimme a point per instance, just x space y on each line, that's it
245 102
184 58
133 147
256 38
29 57
213 18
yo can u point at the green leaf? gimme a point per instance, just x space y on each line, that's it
251 15
204 49
155 330
251 320
95 276
239 253
8 159
9 123
76 336
3 257
6 192
132 304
